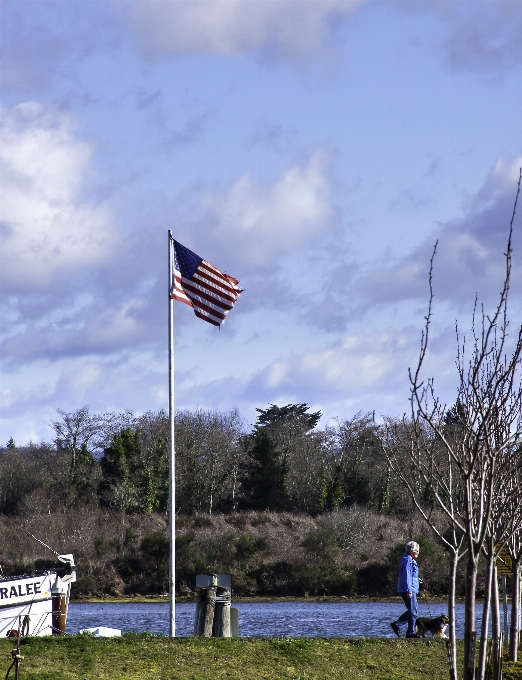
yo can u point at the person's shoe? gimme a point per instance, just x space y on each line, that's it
414 635
396 629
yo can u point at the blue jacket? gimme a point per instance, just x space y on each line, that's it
408 581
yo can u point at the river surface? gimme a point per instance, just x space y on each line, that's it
260 619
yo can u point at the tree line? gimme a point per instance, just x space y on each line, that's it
284 462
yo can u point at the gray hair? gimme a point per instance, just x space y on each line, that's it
411 546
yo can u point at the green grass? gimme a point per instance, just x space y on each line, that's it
145 657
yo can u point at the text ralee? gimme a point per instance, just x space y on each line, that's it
21 590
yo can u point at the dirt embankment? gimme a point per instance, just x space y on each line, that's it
348 553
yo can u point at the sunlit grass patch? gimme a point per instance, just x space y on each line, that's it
156 657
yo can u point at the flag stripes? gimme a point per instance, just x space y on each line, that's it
197 283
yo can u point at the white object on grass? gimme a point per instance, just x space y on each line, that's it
102 631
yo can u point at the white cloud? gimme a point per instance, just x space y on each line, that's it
470 253
89 330
46 225
258 221
501 180
30 397
362 371
279 27
357 363
484 35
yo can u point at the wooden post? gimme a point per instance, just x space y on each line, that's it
499 662
495 661
221 626
495 606
472 648
485 620
234 622
59 603
449 648
205 607
489 660
470 640
515 613
504 600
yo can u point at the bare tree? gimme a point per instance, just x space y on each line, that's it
489 400
76 429
504 525
304 471
350 461
93 430
416 457
209 457
514 544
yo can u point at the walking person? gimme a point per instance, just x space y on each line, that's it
408 588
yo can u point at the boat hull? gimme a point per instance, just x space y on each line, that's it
37 604
28 597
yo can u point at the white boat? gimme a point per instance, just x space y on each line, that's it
37 603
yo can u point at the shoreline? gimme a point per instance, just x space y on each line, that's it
154 599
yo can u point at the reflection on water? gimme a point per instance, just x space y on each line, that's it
260 619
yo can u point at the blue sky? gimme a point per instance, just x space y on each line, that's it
315 150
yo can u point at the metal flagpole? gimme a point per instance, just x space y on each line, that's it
172 459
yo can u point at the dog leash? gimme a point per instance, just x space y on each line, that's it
427 602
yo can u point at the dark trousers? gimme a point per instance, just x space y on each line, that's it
410 615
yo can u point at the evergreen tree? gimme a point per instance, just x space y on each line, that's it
135 476
264 486
456 415
82 474
295 415
155 552
119 465
322 492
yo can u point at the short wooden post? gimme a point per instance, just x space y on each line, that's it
494 670
234 622
487 665
449 653
205 607
499 661
221 626
514 638
504 600
472 649
214 594
470 640
59 604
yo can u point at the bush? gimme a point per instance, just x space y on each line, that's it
322 543
247 546
351 528
347 552
375 579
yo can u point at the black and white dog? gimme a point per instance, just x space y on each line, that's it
436 626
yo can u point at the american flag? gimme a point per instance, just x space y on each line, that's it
199 284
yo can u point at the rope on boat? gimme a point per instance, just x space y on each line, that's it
40 623
25 625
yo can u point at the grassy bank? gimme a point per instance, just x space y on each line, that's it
146 657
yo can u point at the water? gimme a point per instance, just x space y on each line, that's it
260 619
